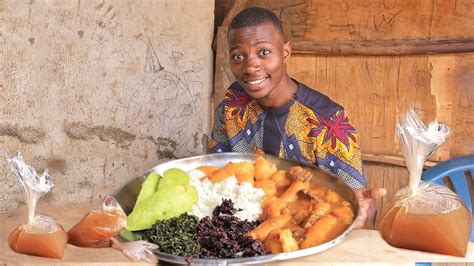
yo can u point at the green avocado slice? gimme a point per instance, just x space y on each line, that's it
168 202
149 187
173 177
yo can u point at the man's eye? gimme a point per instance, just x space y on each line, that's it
264 52
237 57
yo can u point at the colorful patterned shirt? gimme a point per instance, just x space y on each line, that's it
310 129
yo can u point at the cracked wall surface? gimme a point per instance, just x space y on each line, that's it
101 91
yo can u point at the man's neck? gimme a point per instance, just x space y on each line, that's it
281 95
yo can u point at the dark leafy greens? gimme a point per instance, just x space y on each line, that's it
174 236
222 235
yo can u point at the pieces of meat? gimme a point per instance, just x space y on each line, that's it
299 173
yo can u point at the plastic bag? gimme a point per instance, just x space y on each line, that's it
137 250
42 235
95 229
98 228
424 216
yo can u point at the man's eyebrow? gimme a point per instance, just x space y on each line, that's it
234 47
239 45
264 41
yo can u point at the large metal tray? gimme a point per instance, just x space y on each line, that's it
127 196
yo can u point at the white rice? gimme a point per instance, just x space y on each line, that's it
244 196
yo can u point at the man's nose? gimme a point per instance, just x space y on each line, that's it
252 65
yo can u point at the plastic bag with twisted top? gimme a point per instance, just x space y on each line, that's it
42 235
97 227
424 216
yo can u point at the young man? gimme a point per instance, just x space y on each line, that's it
266 111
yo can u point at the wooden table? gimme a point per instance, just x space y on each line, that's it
360 247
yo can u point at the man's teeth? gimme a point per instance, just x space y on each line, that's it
255 82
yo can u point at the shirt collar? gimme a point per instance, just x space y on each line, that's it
285 108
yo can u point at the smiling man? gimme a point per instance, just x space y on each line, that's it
266 111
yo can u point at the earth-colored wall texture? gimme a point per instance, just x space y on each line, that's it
101 91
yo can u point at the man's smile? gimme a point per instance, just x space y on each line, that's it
255 82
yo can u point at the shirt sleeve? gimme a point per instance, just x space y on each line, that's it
338 150
219 141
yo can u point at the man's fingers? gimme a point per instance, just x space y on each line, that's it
377 193
367 206
363 211
361 222
374 193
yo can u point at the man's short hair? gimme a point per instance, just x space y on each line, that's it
254 16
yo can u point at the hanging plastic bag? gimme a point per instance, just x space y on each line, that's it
424 216
98 229
42 235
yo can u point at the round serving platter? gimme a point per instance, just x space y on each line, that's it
127 196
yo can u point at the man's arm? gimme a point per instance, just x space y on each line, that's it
219 141
340 155
338 150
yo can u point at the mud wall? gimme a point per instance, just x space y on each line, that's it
100 91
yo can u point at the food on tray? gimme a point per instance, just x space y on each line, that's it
164 204
244 195
313 214
280 179
275 211
173 196
224 235
243 172
42 235
149 187
97 227
263 230
173 177
424 216
174 236
297 213
220 235
207 169
269 187
263 169
288 242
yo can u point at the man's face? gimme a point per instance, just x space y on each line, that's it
257 59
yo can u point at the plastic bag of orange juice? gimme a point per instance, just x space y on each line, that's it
97 227
42 235
424 216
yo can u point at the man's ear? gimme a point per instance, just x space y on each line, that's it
286 51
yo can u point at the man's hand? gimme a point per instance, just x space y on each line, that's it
366 199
